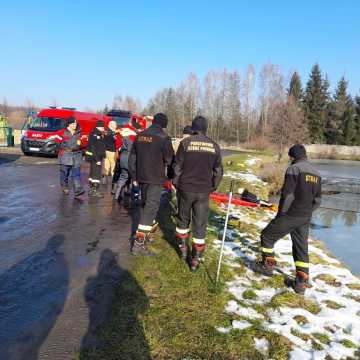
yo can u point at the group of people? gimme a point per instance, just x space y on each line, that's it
147 160
107 152
195 171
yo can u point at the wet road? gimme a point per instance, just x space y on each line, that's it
60 259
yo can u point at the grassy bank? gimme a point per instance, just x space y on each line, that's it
163 311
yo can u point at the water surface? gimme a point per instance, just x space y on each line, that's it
337 222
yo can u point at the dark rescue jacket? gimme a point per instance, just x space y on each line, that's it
198 166
301 192
69 150
96 146
109 139
151 155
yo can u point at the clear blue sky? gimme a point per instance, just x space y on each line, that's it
82 53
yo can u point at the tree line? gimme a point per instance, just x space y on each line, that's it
264 108
245 107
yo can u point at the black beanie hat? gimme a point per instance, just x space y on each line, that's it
71 120
297 151
187 130
199 124
100 123
161 120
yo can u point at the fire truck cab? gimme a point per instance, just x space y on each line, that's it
45 131
124 118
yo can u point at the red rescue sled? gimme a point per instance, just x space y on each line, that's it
224 199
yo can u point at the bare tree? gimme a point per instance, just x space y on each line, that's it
233 108
272 89
30 107
127 102
248 89
288 124
4 108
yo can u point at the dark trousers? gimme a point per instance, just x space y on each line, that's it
117 172
95 172
74 171
298 228
193 207
150 198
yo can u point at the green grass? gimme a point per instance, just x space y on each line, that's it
333 305
239 165
301 320
293 300
300 335
348 343
249 294
328 279
163 311
353 297
323 338
353 286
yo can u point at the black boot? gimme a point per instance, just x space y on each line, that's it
91 189
300 284
197 256
79 192
139 245
97 193
181 241
151 236
266 266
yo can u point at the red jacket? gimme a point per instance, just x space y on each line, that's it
118 142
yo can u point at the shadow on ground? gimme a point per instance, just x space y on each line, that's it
8 158
32 295
121 336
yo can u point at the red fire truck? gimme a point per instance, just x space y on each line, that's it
124 117
47 129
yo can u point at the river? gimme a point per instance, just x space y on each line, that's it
339 229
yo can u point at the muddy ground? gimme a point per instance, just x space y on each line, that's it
60 260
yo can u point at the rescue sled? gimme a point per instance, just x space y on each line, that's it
237 201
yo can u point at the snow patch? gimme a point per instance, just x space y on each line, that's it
334 324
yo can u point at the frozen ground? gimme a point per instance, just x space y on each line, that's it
324 324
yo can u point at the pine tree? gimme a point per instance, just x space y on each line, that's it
340 123
295 88
357 121
349 131
316 101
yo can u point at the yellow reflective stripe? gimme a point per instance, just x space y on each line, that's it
267 250
182 231
198 241
88 153
144 227
302 264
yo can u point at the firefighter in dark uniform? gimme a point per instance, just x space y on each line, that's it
300 196
150 157
95 154
198 171
70 157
